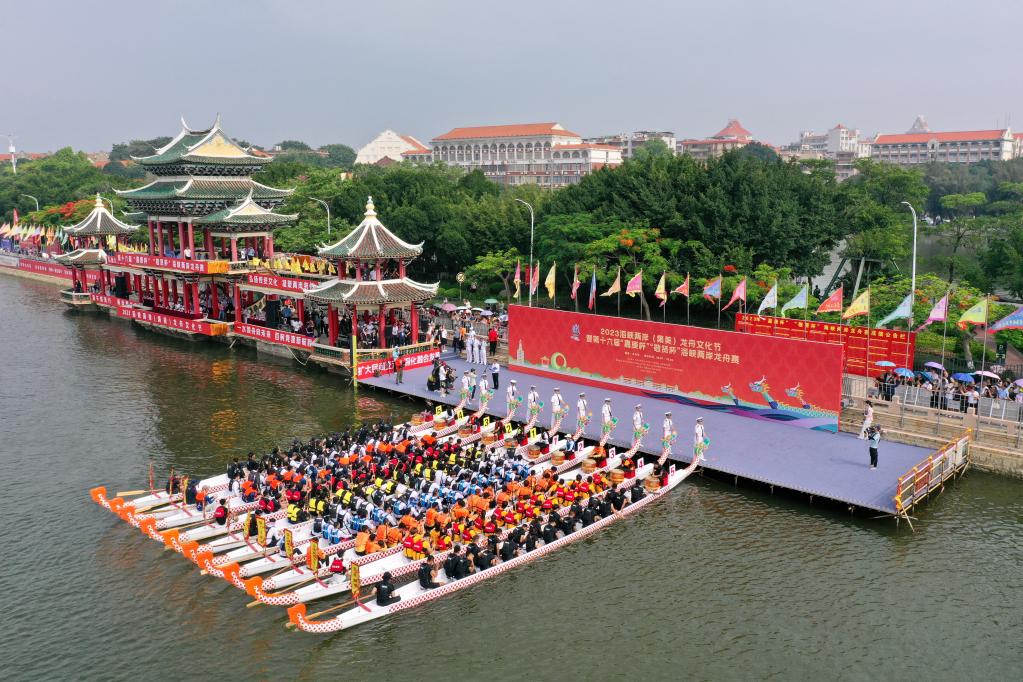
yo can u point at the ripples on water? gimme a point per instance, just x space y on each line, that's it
712 583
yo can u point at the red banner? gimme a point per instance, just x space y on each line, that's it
274 336
795 381
281 283
369 368
112 301
143 260
864 347
184 324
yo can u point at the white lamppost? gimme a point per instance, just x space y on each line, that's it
912 280
326 206
33 199
530 283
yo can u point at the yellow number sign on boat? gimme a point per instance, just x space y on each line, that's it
486 421
353 580
460 413
261 531
439 410
507 428
532 433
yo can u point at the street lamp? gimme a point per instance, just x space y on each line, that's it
33 199
530 283
328 211
912 281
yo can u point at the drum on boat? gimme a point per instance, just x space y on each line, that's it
439 423
589 465
558 458
534 452
617 476
417 419
510 442
652 484
465 431
489 438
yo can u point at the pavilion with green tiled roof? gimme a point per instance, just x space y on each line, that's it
202 152
365 257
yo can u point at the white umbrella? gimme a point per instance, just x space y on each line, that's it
486 313
985 373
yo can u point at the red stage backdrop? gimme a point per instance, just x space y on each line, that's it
885 344
795 381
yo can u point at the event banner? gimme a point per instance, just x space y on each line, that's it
864 347
109 301
369 367
142 260
274 335
789 380
182 323
282 283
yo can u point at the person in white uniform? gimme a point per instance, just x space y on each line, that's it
668 427
484 386
606 417
699 438
512 393
557 404
637 418
581 408
532 398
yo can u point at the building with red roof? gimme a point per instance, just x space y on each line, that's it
920 146
732 136
544 154
389 145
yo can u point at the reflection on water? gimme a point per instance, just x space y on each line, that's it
714 582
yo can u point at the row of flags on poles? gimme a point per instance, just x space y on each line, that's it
978 314
22 232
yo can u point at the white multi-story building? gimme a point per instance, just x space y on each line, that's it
833 142
544 154
389 145
964 146
628 142
732 136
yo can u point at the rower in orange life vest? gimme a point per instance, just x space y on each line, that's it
220 513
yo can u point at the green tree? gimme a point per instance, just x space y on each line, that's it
495 265
339 155
652 149
633 248
137 148
293 146
964 226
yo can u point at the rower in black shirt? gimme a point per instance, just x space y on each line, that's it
427 573
385 591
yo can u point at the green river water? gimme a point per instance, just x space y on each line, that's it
712 583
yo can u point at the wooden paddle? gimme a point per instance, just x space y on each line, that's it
320 613
134 492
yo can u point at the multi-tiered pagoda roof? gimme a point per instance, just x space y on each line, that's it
202 172
99 223
372 242
246 215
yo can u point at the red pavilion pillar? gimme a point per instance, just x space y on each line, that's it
381 324
174 289
234 248
166 293
196 308
214 300
181 239
414 322
332 324
300 308
159 238
152 239
210 248
237 303
191 240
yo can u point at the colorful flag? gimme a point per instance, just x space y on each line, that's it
832 304
661 292
903 312
534 281
635 285
712 289
939 313
518 279
593 290
549 282
1013 320
575 281
975 315
861 306
683 288
15 217
739 294
770 301
616 288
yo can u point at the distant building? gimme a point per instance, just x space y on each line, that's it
732 136
964 146
544 154
389 145
831 143
629 142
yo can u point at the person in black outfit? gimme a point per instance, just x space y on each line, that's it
588 514
385 591
427 572
509 550
550 532
487 557
530 541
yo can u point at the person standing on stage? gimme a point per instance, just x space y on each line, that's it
557 404
481 351
699 438
868 420
606 418
472 383
495 372
581 407
483 385
465 383
512 393
637 418
668 428
532 398
873 439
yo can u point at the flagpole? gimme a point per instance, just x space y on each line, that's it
806 310
619 280
866 364
687 301
721 292
774 317
983 361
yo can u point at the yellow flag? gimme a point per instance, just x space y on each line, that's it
861 306
661 292
549 282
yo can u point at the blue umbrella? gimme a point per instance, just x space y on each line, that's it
962 376
903 372
884 363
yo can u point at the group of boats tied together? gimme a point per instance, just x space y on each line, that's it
390 517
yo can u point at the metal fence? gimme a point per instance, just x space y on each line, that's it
993 408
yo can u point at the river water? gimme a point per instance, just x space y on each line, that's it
712 583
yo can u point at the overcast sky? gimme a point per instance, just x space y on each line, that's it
88 74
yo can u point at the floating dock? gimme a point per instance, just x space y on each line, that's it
834 466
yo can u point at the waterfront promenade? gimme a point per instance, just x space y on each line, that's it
821 464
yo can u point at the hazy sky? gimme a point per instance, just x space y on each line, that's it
88 74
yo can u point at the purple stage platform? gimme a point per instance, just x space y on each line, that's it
835 466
